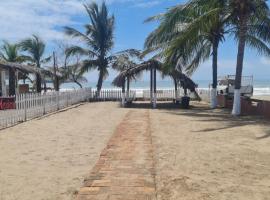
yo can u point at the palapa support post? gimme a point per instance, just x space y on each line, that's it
128 82
3 83
151 85
123 93
155 88
17 82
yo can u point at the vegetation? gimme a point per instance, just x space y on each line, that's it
98 38
189 34
74 73
126 60
250 24
10 53
35 49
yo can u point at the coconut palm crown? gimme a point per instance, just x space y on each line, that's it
35 49
189 34
97 40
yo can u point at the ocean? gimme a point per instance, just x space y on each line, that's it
261 87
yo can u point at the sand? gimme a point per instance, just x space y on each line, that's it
265 97
49 158
203 154
199 154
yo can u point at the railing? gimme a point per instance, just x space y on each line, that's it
110 95
164 94
29 106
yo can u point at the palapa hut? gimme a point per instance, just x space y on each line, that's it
19 70
153 66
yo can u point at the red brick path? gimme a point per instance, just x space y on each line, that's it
125 170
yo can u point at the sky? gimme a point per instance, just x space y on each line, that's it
46 18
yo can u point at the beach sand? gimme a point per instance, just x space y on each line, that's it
203 154
199 154
49 158
265 97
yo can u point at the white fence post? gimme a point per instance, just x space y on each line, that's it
24 105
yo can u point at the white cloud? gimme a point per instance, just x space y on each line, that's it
148 4
21 18
265 61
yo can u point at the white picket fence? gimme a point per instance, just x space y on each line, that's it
29 106
110 95
162 94
204 94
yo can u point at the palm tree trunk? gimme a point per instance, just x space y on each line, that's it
38 82
79 84
12 83
175 89
100 82
214 68
239 67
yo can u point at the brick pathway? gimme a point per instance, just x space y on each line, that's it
125 170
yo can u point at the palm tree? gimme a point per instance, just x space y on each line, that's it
73 73
35 47
126 60
251 26
189 34
10 53
98 38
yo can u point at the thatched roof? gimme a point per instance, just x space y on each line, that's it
17 66
24 68
180 77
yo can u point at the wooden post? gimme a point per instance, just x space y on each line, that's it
11 82
3 83
151 85
128 82
17 82
123 92
155 88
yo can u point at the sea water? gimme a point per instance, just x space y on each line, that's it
261 87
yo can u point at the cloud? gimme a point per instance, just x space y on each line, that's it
22 18
265 61
148 4
19 19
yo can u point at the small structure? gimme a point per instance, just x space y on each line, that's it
153 66
18 69
226 85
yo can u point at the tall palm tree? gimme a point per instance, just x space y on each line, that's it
98 38
35 47
189 34
10 52
251 26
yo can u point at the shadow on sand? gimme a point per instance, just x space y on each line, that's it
201 112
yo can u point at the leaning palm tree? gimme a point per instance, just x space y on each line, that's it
35 47
10 53
98 38
73 73
189 34
251 26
